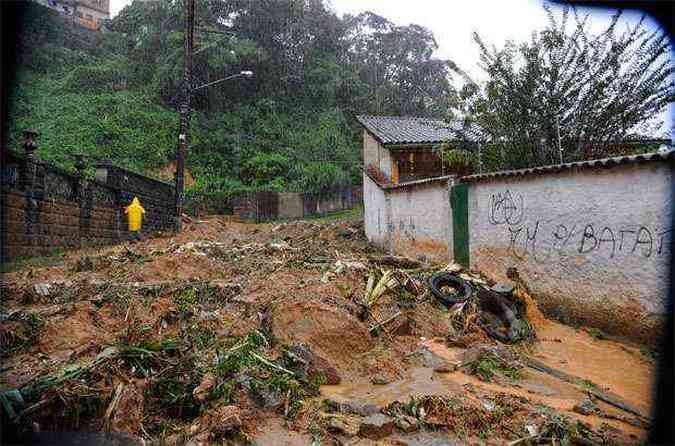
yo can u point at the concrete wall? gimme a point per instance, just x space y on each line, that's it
592 244
265 206
371 149
374 208
375 154
410 219
291 205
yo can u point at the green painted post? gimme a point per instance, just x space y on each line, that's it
460 223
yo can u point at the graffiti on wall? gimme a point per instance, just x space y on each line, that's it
542 238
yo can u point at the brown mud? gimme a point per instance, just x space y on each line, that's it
211 316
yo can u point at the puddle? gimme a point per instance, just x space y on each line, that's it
419 381
428 439
607 363
272 432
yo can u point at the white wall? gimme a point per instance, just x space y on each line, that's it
592 244
374 208
412 220
371 149
421 220
375 154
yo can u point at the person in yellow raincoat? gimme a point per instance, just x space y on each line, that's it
135 214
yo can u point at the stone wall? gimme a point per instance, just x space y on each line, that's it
157 197
593 244
410 219
45 209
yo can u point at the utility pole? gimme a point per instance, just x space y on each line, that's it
181 148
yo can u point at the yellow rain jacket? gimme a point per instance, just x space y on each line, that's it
135 212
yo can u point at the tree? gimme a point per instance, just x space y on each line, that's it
594 89
396 64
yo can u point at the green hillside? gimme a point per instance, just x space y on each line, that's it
291 127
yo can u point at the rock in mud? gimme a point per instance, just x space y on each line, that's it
406 423
333 333
267 397
446 368
226 419
312 365
586 407
432 360
203 390
380 379
343 424
376 427
359 409
353 407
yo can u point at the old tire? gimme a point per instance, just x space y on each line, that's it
462 293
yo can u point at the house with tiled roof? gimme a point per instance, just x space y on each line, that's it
401 148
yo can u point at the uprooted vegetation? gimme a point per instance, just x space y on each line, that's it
206 336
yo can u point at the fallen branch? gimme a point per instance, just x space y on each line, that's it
616 402
603 396
397 261
112 406
270 364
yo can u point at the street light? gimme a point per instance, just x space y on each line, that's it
245 73
182 137
181 148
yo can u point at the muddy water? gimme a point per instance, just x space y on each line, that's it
272 432
616 367
611 365
419 381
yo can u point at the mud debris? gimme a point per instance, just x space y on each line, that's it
376 426
214 335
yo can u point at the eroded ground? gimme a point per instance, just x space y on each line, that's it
233 333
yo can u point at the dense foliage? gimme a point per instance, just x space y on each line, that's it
594 89
290 127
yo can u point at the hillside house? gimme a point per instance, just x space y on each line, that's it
90 14
401 148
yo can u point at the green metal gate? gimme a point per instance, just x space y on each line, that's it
460 223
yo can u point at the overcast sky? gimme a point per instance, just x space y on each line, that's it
452 23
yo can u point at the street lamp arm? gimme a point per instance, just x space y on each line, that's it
242 74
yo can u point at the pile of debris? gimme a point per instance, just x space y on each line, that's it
201 338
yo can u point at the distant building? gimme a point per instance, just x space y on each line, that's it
90 14
401 148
